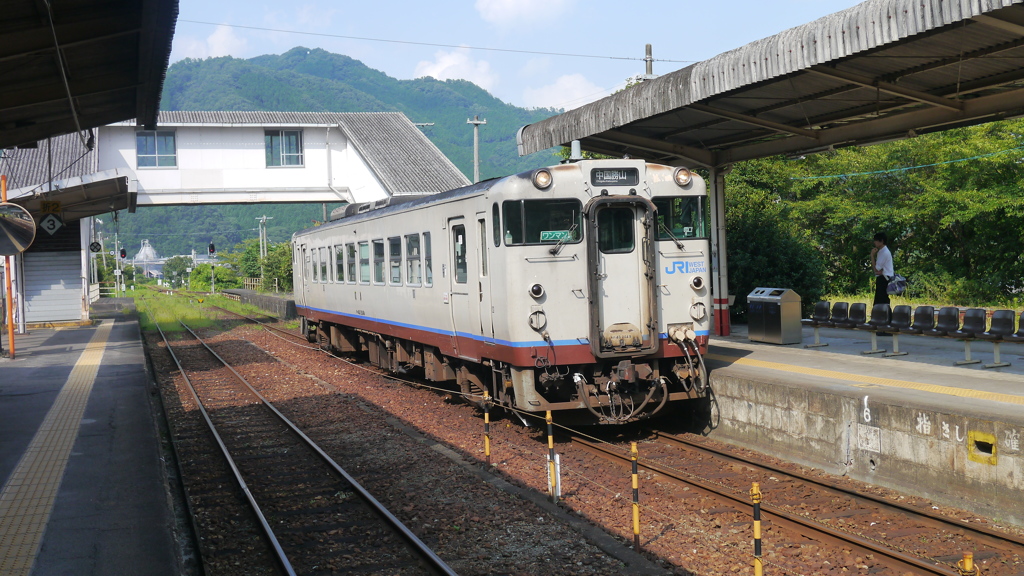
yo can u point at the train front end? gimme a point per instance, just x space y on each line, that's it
629 325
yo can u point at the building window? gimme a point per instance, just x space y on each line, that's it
155 148
284 147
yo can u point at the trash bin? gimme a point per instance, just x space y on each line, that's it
774 316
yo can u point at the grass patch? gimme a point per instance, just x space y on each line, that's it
159 308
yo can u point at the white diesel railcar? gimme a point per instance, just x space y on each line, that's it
582 287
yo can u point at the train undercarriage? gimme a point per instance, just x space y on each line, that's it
613 391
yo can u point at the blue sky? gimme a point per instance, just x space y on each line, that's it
609 33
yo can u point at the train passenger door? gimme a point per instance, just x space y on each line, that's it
622 280
463 295
302 269
484 284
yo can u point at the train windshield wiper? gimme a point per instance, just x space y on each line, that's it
558 247
679 243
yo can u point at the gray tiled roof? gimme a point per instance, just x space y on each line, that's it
31 166
405 161
402 157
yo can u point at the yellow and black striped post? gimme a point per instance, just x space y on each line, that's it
487 426
634 456
552 474
966 566
755 495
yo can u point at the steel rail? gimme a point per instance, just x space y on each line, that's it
282 558
263 324
432 561
793 522
990 536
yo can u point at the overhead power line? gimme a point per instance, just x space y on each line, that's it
390 41
906 168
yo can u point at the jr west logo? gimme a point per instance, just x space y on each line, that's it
686 267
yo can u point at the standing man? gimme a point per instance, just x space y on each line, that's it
881 263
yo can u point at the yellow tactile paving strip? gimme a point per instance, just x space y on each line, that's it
28 497
863 380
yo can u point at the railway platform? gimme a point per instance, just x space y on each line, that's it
918 422
82 477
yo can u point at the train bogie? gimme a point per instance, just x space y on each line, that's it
581 287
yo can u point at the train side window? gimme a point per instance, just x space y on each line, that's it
364 262
306 265
339 263
316 266
615 230
496 224
350 253
323 265
428 274
395 256
378 261
483 246
459 249
413 272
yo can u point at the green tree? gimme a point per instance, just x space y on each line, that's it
176 270
277 267
226 278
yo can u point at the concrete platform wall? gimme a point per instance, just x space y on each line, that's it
283 308
965 461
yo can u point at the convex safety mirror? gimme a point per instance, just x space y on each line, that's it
17 229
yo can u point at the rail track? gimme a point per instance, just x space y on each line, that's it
313 516
903 538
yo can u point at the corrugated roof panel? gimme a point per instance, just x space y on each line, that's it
64 156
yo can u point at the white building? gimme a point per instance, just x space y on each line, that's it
202 158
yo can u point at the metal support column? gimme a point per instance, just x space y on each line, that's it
719 262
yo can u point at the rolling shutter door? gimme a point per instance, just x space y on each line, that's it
53 286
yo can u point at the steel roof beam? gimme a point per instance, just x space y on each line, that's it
1008 104
868 82
688 153
778 127
998 23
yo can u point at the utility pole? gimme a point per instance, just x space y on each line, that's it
476 122
649 61
263 240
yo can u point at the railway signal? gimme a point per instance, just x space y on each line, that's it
124 253
212 249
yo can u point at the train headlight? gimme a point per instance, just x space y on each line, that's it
542 179
682 176
536 291
697 283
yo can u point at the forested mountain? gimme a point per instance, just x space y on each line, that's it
311 80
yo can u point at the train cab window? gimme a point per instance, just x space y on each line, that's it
378 261
428 273
316 266
395 260
459 253
324 277
339 263
680 217
615 229
350 262
413 270
364 262
542 221
496 224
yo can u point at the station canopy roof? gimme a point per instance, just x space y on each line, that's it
881 70
75 64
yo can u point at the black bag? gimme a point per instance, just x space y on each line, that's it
897 285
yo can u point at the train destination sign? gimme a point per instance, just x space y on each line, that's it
17 229
615 176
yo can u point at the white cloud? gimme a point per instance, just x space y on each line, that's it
458 65
222 42
509 12
569 91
